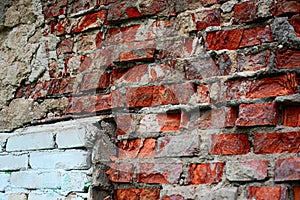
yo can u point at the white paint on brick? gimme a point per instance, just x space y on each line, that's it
74 181
36 179
4 181
17 196
44 196
32 141
72 159
12 162
71 137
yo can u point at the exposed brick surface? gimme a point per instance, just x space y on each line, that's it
121 173
245 12
207 18
266 193
291 116
287 169
287 59
205 173
137 194
229 144
265 143
283 7
257 114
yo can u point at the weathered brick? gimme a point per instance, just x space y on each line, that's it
159 95
121 172
12 163
123 35
207 18
95 103
81 5
265 143
283 7
137 194
160 123
245 12
158 172
247 171
90 21
65 46
135 74
238 38
287 169
125 125
135 54
258 114
203 94
137 148
253 62
56 9
229 144
266 193
172 146
287 59
72 159
95 80
205 173
291 116
74 181
44 196
260 88
295 22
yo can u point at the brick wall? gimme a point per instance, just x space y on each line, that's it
203 96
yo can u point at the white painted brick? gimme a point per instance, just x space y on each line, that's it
71 137
3 196
44 196
74 181
4 181
11 162
32 141
73 159
36 179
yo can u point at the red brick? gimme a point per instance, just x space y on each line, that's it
121 172
86 42
65 46
257 35
62 86
288 59
291 116
173 197
295 22
95 80
253 62
137 194
297 192
217 118
56 9
137 148
237 38
163 173
122 35
62 27
117 12
283 7
203 94
95 103
263 87
207 18
229 144
158 95
205 173
209 2
137 54
265 143
133 13
160 123
266 193
105 2
89 21
40 90
245 12
224 39
258 114
135 74
287 169
125 125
